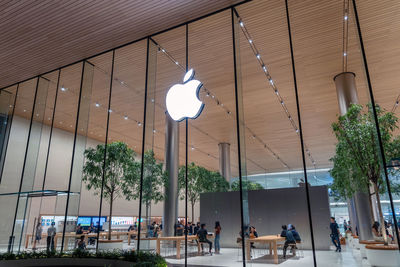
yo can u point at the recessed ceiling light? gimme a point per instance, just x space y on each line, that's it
125 117
97 104
63 89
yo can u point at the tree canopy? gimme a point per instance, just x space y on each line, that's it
200 180
247 185
357 162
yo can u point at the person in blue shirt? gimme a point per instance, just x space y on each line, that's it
295 234
290 241
335 234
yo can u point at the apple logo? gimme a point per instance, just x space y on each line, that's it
183 99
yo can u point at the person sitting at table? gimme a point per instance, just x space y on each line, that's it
81 243
295 234
290 240
91 229
156 231
253 234
79 231
284 229
196 228
150 230
202 235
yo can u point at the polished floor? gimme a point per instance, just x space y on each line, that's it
231 257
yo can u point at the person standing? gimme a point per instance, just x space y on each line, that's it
217 233
335 234
345 226
38 234
51 233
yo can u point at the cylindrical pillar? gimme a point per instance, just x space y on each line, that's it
170 214
346 90
225 160
359 205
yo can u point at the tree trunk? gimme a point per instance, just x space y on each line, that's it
109 223
382 221
147 217
193 212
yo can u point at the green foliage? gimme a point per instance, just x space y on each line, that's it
200 180
120 170
154 180
112 177
357 162
246 185
139 258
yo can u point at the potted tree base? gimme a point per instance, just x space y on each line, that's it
383 255
112 244
364 243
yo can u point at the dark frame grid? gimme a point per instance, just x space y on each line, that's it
149 39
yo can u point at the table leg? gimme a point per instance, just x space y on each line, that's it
275 253
158 247
178 249
27 241
129 239
270 248
248 256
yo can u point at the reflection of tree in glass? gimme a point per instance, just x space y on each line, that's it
120 171
154 180
246 185
357 163
200 180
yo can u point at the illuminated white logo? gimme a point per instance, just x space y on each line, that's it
183 99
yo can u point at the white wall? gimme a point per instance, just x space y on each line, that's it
58 172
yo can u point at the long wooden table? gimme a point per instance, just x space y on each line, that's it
73 235
178 240
272 240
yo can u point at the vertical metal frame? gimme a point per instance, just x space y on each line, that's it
73 155
300 132
105 147
233 13
371 95
8 135
51 129
11 239
143 141
186 151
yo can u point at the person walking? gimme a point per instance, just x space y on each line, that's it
38 234
217 232
335 234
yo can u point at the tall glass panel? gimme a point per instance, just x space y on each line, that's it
279 216
58 162
382 56
120 204
215 204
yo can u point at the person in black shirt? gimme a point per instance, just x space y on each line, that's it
335 234
196 228
202 235
284 229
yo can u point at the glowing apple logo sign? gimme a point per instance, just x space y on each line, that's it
183 99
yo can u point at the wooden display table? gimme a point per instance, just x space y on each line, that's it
178 240
272 240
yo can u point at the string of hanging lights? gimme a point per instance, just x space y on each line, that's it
272 83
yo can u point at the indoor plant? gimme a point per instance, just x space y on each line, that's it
110 177
357 164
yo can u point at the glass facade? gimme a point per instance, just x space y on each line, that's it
298 139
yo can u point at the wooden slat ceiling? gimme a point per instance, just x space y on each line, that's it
317 39
41 35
